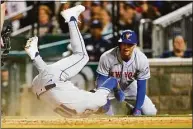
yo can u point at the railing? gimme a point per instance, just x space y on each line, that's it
20 12
145 41
22 30
174 16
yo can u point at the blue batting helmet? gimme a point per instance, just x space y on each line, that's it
128 37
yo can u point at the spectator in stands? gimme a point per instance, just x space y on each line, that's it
96 44
121 11
107 5
61 21
45 20
179 49
48 3
83 27
164 7
3 8
128 21
95 10
147 10
87 13
105 18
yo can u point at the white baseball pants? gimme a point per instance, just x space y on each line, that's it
65 98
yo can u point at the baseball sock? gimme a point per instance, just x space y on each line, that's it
38 62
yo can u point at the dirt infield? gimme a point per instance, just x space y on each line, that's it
98 122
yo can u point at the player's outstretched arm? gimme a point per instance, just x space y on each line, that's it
119 94
100 80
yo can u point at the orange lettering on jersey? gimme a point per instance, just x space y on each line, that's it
128 75
118 74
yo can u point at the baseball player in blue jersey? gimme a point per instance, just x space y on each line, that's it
131 69
52 84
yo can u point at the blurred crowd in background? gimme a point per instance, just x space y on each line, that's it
96 20
130 12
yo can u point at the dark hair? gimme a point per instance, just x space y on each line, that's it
128 6
3 1
104 9
96 24
96 3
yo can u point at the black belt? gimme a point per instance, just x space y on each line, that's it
48 87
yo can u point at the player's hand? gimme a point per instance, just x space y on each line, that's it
136 112
119 94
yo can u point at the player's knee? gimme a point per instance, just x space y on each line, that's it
99 99
102 102
86 58
150 111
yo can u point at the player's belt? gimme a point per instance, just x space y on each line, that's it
48 87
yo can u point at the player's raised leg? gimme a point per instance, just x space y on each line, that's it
71 16
31 49
72 65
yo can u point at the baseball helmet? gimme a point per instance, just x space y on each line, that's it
128 37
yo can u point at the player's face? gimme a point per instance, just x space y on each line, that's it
126 49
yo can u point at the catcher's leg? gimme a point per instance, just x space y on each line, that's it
148 108
31 49
72 65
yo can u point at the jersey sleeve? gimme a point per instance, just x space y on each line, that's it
103 66
144 69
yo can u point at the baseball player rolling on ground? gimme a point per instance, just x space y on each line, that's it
51 84
131 69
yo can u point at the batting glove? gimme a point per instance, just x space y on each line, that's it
136 112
